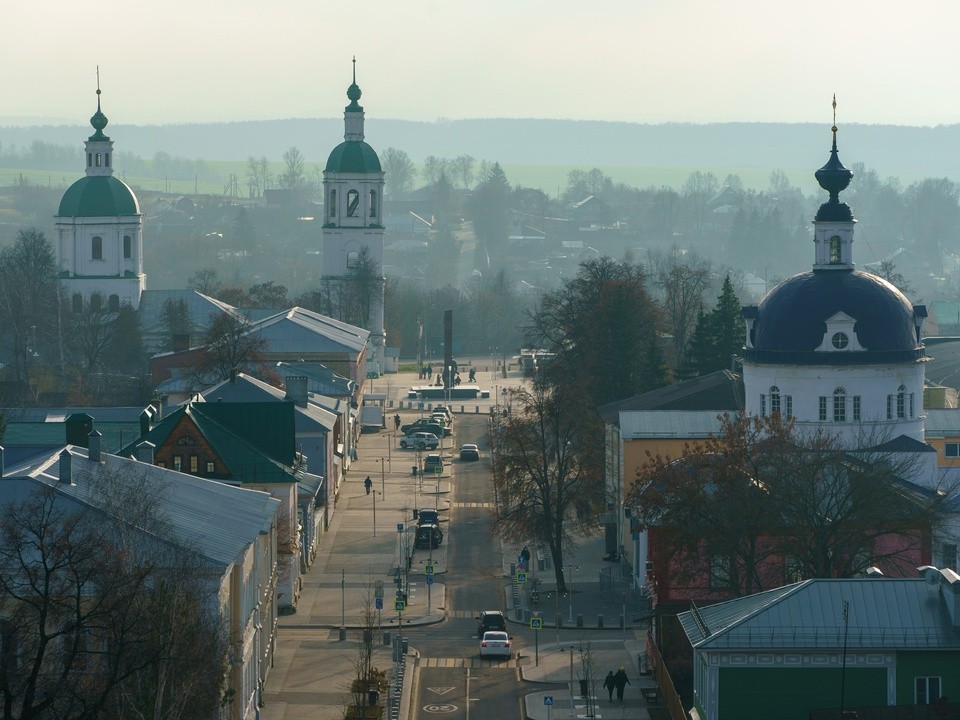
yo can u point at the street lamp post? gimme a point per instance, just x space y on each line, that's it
383 481
570 568
374 493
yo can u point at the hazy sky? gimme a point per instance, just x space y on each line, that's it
632 60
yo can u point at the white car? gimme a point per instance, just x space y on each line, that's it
495 644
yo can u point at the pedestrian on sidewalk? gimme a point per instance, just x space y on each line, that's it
621 681
609 683
368 483
396 422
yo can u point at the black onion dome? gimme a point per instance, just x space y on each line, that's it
791 320
834 178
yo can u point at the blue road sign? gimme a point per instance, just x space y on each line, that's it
399 527
548 699
428 569
379 603
521 578
536 623
399 605
429 579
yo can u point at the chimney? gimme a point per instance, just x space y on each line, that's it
297 389
145 452
1 461
157 403
66 460
93 446
145 417
78 427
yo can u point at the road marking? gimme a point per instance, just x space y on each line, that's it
465 662
441 690
473 505
440 708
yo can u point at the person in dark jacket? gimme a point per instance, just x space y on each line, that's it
621 681
610 683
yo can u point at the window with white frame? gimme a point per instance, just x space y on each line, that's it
774 400
788 405
823 409
901 401
763 404
353 259
926 690
839 405
856 408
951 450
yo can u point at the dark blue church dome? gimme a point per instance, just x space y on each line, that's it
790 322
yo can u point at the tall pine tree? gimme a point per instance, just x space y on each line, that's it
718 337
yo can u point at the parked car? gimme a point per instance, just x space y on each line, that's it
469 452
431 463
445 410
420 441
427 537
495 644
428 517
490 620
426 425
440 419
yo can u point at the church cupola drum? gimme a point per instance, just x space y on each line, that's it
99 231
353 231
834 348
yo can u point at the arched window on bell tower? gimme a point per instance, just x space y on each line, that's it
353 203
835 254
333 204
373 203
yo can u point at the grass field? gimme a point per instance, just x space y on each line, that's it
551 179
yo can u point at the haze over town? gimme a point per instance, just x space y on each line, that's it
644 62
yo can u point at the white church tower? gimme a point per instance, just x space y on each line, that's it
352 222
99 231
836 349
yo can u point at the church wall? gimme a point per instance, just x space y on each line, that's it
872 383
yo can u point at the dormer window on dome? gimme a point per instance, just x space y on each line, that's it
840 335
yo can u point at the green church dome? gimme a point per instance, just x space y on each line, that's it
353 156
99 196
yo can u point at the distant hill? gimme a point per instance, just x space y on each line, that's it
906 152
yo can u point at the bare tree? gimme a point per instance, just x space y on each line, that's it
258 175
682 278
462 169
545 490
229 345
91 330
292 177
399 172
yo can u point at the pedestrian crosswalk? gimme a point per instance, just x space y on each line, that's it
486 505
475 662
472 615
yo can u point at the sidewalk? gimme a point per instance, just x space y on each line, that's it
569 663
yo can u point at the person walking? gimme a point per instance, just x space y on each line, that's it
610 683
368 483
396 422
621 681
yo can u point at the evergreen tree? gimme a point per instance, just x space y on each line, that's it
719 335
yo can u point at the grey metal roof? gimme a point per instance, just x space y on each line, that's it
300 330
200 306
941 423
680 424
215 519
889 613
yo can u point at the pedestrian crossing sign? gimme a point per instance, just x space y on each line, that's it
536 623
428 569
521 578
399 605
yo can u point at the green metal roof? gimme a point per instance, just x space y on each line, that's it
245 458
353 156
98 196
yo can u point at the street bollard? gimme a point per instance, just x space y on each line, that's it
599 621
343 634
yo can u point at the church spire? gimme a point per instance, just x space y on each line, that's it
99 147
833 224
834 178
353 113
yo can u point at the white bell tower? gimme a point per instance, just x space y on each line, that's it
352 224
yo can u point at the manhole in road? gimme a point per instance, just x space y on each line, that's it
440 708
